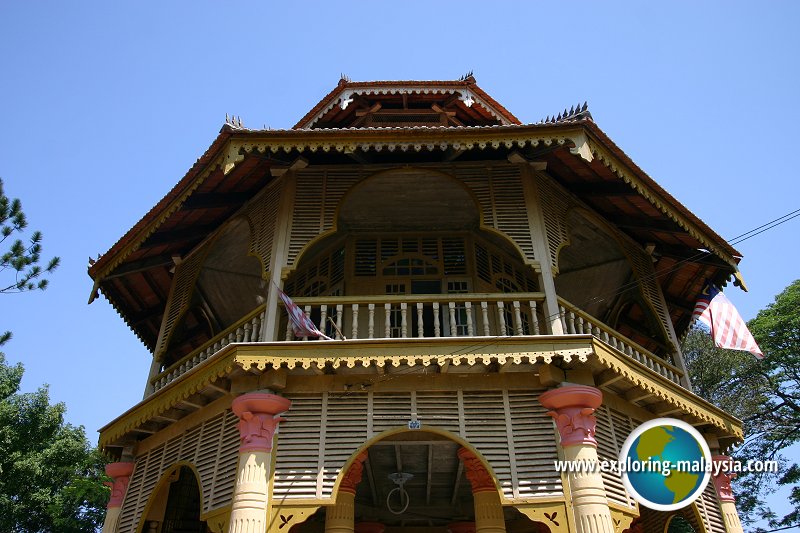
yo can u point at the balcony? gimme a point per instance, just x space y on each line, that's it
353 318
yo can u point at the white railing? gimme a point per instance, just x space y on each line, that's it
428 315
574 321
248 329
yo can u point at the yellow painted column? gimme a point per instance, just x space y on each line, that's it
488 510
121 474
572 408
340 518
727 503
258 420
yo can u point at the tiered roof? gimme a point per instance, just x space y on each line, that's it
406 122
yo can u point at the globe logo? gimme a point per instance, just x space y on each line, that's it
666 464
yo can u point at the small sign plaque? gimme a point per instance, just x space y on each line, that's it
414 424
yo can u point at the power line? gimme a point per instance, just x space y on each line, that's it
620 290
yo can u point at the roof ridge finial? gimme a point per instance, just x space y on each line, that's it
577 112
468 77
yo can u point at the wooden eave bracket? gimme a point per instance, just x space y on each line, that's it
582 147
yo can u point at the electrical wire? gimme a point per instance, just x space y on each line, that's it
489 341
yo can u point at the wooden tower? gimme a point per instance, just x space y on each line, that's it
482 279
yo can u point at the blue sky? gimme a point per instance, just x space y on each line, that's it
105 106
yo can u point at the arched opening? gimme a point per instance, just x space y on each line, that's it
679 524
417 481
595 274
686 520
175 505
228 286
415 232
437 492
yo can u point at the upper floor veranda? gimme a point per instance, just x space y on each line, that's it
473 247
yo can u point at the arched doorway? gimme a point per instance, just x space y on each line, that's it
175 505
686 520
417 481
678 524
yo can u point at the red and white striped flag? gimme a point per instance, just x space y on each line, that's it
301 324
728 329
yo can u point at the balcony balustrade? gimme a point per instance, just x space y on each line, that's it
575 321
429 315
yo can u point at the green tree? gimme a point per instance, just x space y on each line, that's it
21 258
764 394
51 479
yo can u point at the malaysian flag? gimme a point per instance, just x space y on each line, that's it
301 324
727 327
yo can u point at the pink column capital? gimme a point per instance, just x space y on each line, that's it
352 477
479 478
572 407
258 420
722 476
121 474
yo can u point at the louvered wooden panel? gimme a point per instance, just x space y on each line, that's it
317 196
151 476
263 216
224 478
300 446
653 520
643 266
307 213
322 431
390 410
476 178
172 452
205 456
710 510
534 446
555 203
212 447
439 409
180 294
337 183
131 506
190 441
345 427
485 428
609 443
510 210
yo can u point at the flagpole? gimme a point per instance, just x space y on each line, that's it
337 329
